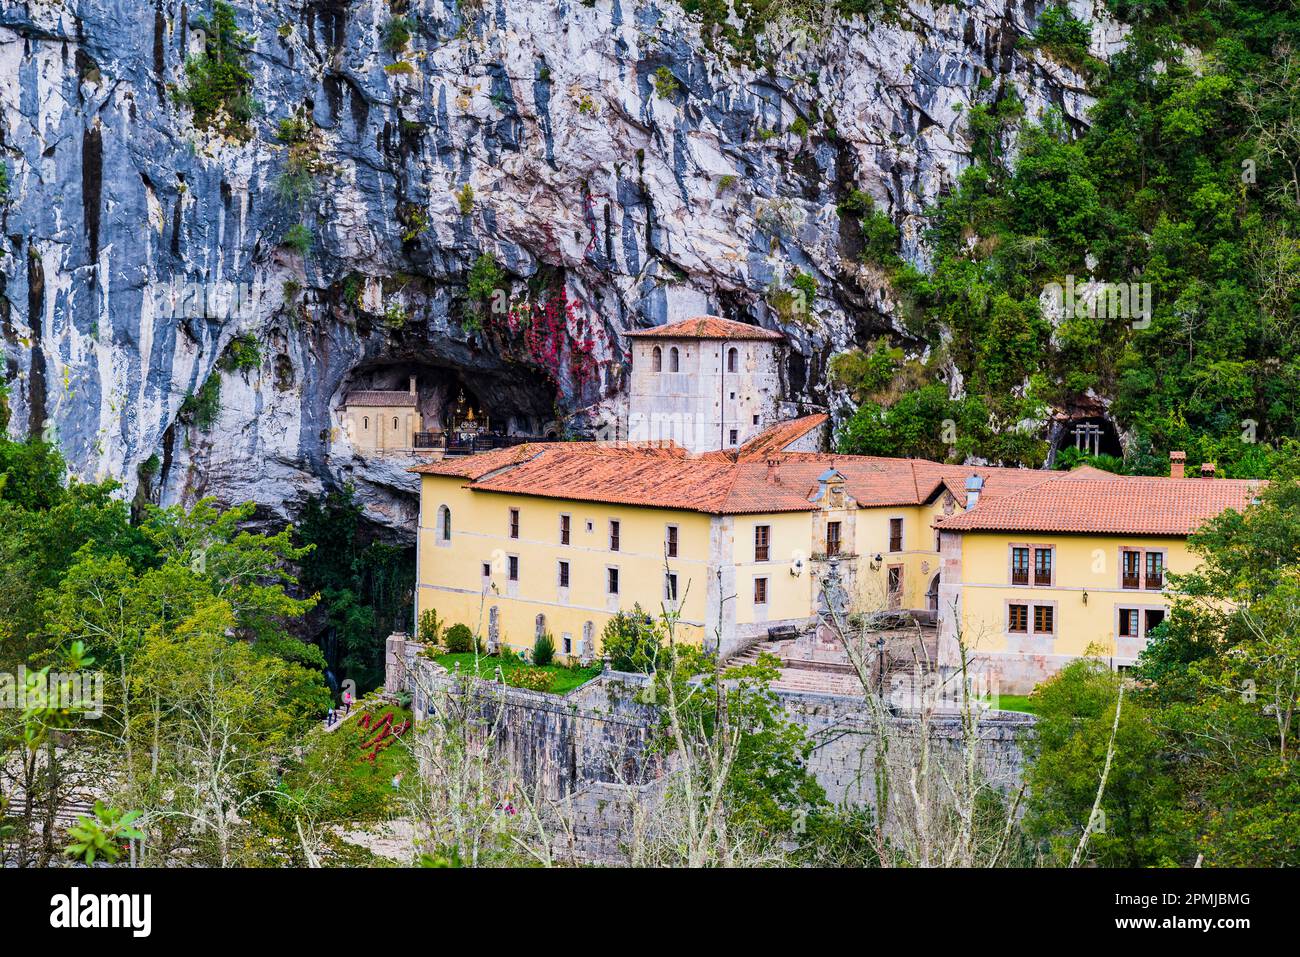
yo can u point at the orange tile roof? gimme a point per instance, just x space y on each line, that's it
1121 504
706 327
776 438
666 477
379 397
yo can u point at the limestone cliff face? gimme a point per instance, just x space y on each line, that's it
645 201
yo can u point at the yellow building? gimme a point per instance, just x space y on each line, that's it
559 537
1033 580
382 419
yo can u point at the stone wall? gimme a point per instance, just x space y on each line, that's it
844 734
599 733
591 747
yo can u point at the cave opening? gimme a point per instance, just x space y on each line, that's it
1089 434
426 405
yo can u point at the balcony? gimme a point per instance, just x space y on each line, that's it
1155 580
1130 580
460 444
1020 576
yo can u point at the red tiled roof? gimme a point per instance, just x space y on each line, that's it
706 327
474 467
379 397
776 438
1121 504
666 477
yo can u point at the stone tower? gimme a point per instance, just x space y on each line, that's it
704 383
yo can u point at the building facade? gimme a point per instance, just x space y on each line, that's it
704 383
560 537
735 537
1079 565
376 420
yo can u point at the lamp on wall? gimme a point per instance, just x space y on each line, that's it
876 561
1085 596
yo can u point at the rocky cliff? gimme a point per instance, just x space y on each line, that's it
616 160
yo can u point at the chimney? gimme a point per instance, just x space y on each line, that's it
773 475
1176 462
1207 470
412 385
974 485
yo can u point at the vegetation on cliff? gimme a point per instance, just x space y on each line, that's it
1182 182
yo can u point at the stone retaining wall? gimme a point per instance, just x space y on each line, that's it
591 747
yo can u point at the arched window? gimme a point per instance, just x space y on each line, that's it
673 360
394 423
732 359
658 364
444 523
365 422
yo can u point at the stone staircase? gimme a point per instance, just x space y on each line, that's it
797 674
815 662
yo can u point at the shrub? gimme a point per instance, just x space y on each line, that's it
465 199
543 649
799 127
805 283
485 278
397 34
666 84
634 642
430 630
201 409
300 238
395 316
401 66
459 639
531 679
242 353
293 129
218 81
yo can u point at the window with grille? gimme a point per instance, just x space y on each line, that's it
564 574
1130 569
1042 566
513 565
1020 566
1128 623
1018 618
1155 570
762 540
760 591
612 581
1044 619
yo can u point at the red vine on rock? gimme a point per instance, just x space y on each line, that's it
556 336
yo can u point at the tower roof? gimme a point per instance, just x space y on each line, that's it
707 327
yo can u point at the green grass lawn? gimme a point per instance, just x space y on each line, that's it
1017 702
564 680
